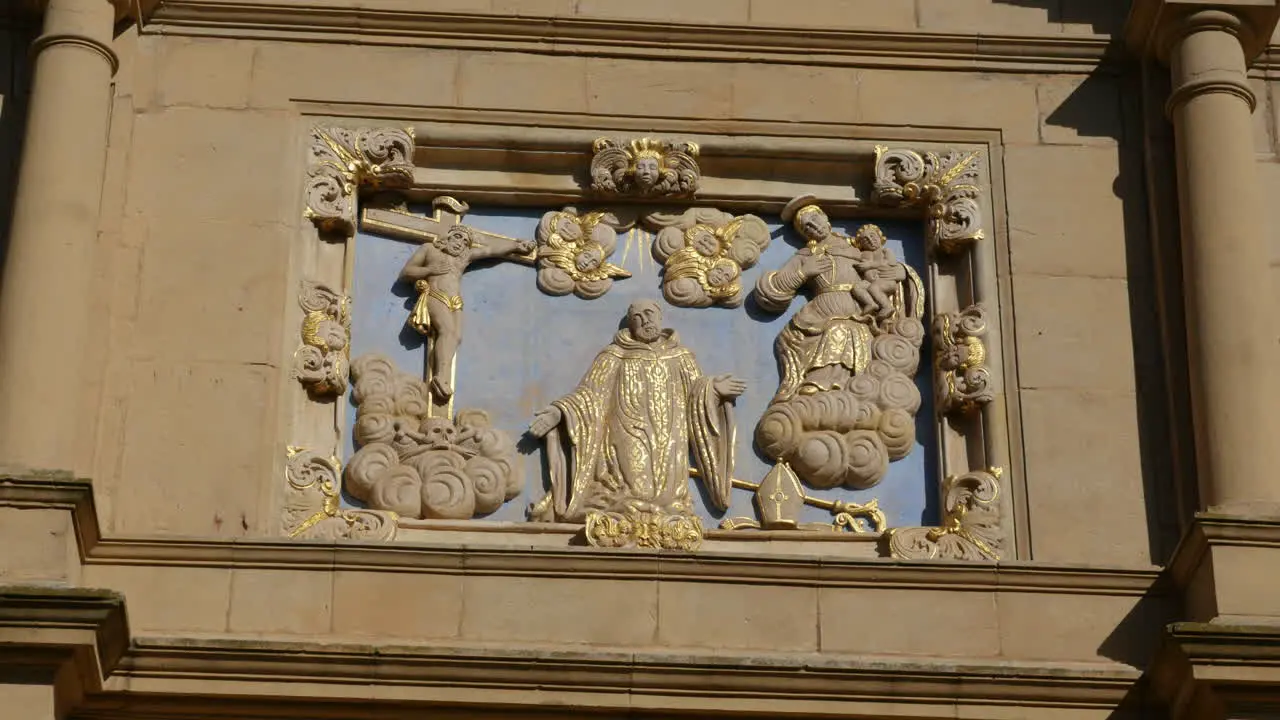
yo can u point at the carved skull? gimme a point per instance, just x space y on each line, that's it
440 433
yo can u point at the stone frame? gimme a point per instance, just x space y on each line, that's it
949 179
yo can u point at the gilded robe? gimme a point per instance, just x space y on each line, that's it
631 425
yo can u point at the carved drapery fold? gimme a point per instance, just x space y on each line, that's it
320 363
971 527
343 160
313 508
945 185
962 380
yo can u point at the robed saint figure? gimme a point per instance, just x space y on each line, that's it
623 440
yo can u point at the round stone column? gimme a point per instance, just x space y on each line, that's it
1231 326
44 299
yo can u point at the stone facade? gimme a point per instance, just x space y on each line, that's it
1090 182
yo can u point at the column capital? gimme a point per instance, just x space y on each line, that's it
1154 25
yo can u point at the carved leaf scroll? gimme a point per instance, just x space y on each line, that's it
313 509
320 364
946 185
962 380
341 161
971 523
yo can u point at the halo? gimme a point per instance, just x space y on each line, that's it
790 209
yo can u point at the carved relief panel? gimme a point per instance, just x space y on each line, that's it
640 368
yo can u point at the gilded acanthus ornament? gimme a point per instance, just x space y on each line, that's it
574 252
847 400
313 509
962 381
620 442
320 364
645 167
636 528
945 185
704 251
420 466
970 527
342 161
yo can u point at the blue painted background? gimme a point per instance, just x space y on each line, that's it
521 349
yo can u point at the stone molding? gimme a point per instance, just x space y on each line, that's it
69 637
766 684
1153 25
33 491
1210 671
626 38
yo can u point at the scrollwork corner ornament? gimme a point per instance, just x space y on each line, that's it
341 161
946 185
962 379
971 528
313 508
320 363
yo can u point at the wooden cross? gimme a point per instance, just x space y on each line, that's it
446 212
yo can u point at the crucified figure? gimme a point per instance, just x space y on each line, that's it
436 273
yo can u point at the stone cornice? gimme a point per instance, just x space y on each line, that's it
622 38
1153 23
603 679
75 496
1204 669
73 637
1215 529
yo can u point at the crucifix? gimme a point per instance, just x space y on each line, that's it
447 248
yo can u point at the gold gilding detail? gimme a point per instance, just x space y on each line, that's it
313 508
970 528
961 377
780 496
582 258
644 166
944 184
634 528
320 363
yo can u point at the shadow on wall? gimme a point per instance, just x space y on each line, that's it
1109 104
15 39
1105 17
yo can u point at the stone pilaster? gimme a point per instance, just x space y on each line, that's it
1231 326
45 308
